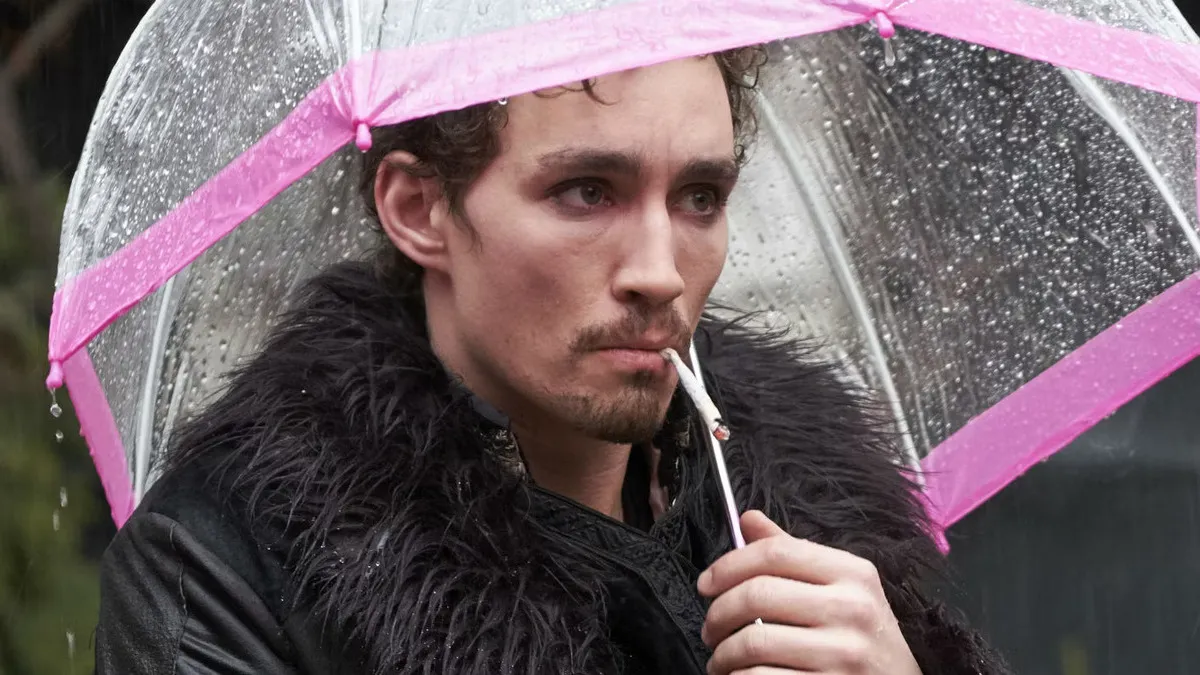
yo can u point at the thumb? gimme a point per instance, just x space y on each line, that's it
756 525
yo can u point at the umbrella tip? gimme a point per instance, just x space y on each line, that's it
883 23
55 379
362 136
887 31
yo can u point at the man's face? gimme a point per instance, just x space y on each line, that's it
599 232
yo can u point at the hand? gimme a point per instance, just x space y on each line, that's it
823 610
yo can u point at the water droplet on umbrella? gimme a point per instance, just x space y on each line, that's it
58 436
62 497
56 409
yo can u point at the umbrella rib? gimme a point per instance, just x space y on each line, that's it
1102 104
850 287
324 38
145 417
352 23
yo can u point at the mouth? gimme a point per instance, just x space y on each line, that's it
647 345
635 360
641 355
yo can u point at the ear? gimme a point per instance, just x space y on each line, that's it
411 211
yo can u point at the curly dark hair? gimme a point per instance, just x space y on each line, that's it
456 146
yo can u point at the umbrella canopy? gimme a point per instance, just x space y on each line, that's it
986 207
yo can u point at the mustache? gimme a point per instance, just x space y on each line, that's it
632 326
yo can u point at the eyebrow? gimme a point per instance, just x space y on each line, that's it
710 170
722 170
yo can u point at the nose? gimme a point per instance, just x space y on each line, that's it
650 273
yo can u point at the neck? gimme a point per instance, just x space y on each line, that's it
558 457
585 470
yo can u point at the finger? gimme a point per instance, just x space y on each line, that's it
787 557
772 599
811 649
756 525
793 603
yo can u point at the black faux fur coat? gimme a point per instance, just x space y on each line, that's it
347 507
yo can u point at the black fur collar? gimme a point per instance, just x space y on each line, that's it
347 442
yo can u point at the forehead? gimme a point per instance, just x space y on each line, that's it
673 112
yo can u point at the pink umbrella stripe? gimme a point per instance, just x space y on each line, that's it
100 429
1050 411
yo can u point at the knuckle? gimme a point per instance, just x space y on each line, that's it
859 610
777 551
854 653
756 594
756 645
866 572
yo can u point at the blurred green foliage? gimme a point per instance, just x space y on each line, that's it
48 588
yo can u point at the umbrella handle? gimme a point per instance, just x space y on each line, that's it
717 432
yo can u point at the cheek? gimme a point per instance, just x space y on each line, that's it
703 259
519 287
512 261
531 266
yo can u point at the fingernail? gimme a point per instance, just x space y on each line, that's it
705 581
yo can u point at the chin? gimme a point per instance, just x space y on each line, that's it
633 416
626 431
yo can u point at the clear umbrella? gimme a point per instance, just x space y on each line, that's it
986 207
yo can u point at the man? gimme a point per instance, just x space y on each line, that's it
470 457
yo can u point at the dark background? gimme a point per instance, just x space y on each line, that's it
1088 565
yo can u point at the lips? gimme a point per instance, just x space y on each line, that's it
648 344
641 354
635 359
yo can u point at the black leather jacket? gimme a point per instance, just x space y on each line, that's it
346 507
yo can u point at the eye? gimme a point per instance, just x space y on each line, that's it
583 195
702 201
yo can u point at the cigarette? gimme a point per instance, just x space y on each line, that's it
691 385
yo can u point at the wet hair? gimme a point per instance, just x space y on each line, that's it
454 147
